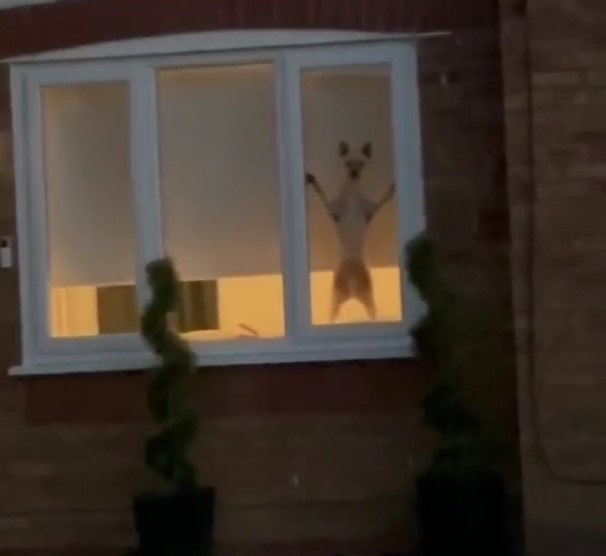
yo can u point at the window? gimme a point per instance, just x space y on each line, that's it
89 209
283 180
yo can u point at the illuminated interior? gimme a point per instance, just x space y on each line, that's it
247 307
350 104
73 312
219 174
387 294
90 209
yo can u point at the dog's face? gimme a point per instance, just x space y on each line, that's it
355 159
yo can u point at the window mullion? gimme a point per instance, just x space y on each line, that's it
145 172
294 224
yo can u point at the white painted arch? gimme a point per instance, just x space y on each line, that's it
5 4
211 41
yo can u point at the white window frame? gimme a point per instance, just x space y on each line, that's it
128 62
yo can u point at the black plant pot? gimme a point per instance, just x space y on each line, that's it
177 524
462 514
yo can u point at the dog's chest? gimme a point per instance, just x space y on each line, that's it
351 221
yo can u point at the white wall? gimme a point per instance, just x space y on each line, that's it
219 171
89 192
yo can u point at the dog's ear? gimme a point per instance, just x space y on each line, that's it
343 149
367 150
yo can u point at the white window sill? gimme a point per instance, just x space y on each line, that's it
374 349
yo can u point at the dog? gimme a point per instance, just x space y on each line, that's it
352 212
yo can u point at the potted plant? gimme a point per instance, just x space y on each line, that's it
461 496
178 518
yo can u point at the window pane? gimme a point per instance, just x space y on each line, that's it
351 211
221 200
90 210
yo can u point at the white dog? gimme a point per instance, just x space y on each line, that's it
352 211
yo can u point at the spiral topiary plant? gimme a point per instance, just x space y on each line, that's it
178 521
437 341
461 501
166 451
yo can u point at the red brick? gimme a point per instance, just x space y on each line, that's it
568 54
72 22
556 79
351 430
267 390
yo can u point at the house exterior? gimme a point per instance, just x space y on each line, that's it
315 449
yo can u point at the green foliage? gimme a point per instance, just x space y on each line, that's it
165 451
440 340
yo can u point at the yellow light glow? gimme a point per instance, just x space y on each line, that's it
73 312
249 307
388 299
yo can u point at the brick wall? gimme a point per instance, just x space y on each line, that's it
70 447
556 144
